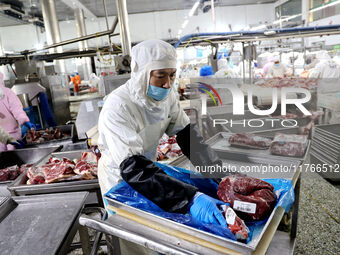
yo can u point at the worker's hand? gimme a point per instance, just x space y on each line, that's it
30 125
205 209
18 144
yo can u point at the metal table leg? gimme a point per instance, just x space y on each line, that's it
113 247
84 239
295 209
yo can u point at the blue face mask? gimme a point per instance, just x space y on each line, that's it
157 93
278 64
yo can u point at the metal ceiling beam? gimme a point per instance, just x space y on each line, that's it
74 4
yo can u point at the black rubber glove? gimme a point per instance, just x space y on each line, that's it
152 182
200 154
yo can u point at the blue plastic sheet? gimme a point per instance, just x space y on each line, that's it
125 194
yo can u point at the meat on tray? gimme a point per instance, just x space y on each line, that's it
288 82
41 136
235 224
250 141
56 170
168 148
9 173
252 198
289 145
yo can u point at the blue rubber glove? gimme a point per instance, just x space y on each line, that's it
18 144
30 125
205 209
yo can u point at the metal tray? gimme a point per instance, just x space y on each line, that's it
221 241
326 135
318 150
331 129
39 224
326 148
24 156
220 142
326 139
20 188
67 129
75 146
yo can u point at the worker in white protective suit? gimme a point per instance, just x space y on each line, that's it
326 68
224 70
277 70
133 119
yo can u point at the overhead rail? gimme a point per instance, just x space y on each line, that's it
78 39
251 36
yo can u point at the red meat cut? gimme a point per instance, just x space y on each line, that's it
289 145
56 169
250 141
9 173
235 224
253 198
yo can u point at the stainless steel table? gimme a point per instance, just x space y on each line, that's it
40 224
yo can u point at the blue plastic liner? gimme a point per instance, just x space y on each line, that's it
125 194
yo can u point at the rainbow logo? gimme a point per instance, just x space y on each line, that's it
208 89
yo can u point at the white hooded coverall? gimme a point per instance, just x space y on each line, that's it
131 123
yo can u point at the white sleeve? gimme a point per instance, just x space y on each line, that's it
118 134
5 137
179 119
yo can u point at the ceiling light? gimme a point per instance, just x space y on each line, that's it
271 32
180 31
193 9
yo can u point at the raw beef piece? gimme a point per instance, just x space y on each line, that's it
86 169
24 167
96 151
3 176
249 141
87 165
9 173
168 148
40 136
253 198
35 175
13 172
235 224
289 145
58 171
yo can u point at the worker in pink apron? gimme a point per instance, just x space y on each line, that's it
12 115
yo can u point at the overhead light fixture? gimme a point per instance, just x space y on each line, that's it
180 31
193 9
185 23
325 6
270 32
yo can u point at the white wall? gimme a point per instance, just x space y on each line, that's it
329 40
144 26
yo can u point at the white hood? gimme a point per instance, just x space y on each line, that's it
145 57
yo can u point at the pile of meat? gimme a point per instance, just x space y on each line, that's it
250 141
41 136
289 145
235 224
12 172
288 82
252 198
56 170
168 148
